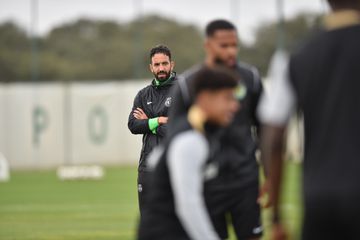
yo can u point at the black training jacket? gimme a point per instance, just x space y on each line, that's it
238 165
154 101
325 73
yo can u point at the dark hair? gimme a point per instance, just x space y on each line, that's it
338 4
160 49
216 25
214 78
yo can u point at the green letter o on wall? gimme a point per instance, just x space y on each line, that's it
97 125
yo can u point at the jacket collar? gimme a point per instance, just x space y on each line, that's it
155 83
341 19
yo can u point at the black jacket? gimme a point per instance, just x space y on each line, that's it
154 101
161 201
238 166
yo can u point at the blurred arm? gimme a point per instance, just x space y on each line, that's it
274 112
272 147
138 126
186 157
277 102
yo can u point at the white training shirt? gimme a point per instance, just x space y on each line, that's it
187 155
277 103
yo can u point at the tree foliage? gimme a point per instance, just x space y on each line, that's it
296 30
96 49
14 48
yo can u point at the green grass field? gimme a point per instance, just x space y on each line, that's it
38 206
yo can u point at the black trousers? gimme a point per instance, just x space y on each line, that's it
142 183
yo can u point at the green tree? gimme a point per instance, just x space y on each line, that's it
185 41
14 53
96 49
93 50
296 31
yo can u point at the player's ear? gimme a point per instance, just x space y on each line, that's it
150 67
208 45
172 63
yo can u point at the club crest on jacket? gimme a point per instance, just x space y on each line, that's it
168 102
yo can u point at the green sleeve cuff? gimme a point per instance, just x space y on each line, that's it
153 124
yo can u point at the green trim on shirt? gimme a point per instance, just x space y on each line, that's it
158 83
153 124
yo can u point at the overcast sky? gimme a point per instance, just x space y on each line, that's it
247 14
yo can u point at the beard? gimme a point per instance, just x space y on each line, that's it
162 75
219 62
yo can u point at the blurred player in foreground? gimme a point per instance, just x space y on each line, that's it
149 114
234 192
323 80
185 165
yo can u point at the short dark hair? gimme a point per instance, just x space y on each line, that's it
217 25
160 49
214 78
344 4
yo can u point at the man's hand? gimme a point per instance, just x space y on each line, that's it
162 120
139 114
278 232
264 198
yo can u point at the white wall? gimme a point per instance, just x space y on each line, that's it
49 124
2 117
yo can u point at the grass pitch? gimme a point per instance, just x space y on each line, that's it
38 206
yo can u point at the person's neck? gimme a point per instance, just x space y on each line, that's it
197 117
209 61
159 83
341 18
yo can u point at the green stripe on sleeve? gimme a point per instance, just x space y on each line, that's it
153 124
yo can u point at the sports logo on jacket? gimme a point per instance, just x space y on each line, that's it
240 91
168 102
211 170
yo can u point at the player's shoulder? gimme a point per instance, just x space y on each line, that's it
317 39
249 69
190 73
250 74
190 139
183 80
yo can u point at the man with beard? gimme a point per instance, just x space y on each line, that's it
183 166
149 114
234 192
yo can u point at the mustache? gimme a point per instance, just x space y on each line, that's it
161 72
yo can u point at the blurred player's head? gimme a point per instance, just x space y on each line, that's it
344 4
221 43
214 90
160 62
